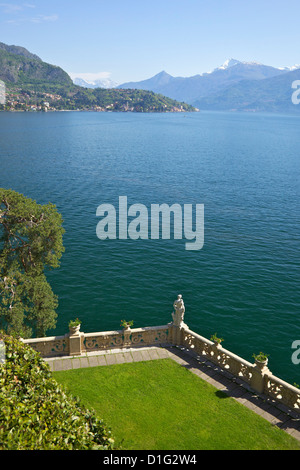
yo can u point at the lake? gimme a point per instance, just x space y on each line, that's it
244 168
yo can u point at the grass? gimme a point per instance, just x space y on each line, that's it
159 405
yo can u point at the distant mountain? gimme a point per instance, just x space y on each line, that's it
290 69
268 95
228 63
158 82
194 89
102 83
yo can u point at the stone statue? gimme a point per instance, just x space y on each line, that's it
179 311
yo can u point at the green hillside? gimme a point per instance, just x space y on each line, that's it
32 84
28 70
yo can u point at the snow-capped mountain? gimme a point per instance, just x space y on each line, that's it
271 94
228 63
191 89
232 62
290 69
206 90
99 83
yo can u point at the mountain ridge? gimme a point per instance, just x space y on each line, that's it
268 95
101 83
19 50
18 65
190 89
212 90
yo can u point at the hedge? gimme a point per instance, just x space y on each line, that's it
36 413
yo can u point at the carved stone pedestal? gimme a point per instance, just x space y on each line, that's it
258 376
75 344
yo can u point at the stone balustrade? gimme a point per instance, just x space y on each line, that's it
177 333
50 346
217 354
282 391
82 343
258 376
125 338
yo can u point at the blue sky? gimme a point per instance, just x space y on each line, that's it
132 40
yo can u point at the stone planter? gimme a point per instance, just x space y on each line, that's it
261 364
74 330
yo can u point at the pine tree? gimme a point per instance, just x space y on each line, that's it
30 242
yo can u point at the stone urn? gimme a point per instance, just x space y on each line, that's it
261 362
74 330
74 327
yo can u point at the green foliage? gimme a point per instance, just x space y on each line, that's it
36 413
74 323
261 357
215 338
126 324
30 241
74 97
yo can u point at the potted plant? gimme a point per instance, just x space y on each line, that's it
216 340
74 326
126 324
261 359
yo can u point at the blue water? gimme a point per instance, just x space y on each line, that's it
244 282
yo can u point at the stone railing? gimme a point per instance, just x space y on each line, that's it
176 333
75 344
257 375
124 338
50 346
215 353
282 391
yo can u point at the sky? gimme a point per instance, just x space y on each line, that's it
132 40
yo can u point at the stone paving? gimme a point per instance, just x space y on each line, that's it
276 413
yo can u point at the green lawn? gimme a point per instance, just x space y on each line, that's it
159 405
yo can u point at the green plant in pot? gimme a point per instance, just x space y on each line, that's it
74 326
216 339
261 359
126 324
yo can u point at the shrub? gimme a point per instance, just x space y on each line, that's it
35 411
